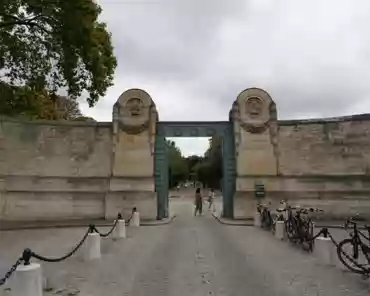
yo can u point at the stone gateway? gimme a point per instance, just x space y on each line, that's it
77 170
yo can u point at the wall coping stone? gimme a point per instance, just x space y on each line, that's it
55 122
357 117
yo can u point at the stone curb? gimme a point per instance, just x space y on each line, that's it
159 222
77 225
231 222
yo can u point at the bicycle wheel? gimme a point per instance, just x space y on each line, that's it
263 219
270 222
307 235
345 251
273 227
290 230
311 235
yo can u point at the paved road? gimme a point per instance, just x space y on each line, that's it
192 256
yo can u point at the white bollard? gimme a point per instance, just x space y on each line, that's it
120 230
257 219
135 219
27 280
92 247
325 250
280 230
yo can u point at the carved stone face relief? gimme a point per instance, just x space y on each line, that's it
135 107
254 110
253 107
133 112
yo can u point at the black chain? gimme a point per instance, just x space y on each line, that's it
361 266
107 233
11 271
129 219
27 253
42 258
323 231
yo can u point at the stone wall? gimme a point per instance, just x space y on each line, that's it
338 146
322 163
76 170
52 170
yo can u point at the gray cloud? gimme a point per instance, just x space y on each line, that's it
194 57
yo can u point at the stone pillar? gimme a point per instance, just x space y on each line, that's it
133 135
255 129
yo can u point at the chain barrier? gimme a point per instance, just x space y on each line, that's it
11 271
129 219
361 266
28 253
74 250
323 231
111 230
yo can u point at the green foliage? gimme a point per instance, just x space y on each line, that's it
25 103
49 44
28 103
178 169
207 169
84 118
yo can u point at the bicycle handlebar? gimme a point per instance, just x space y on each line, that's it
311 210
349 221
300 210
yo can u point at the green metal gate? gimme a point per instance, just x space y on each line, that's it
195 129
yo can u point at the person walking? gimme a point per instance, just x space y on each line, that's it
198 202
211 197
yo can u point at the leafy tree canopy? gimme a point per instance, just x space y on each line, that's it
26 103
53 44
178 168
206 169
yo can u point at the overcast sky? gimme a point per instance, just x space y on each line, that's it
195 56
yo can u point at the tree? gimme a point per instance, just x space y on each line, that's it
213 159
68 109
27 103
84 118
208 169
178 170
50 44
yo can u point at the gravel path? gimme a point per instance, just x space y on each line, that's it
191 256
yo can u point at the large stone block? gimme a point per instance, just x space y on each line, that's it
52 206
338 146
132 184
133 156
125 201
55 149
337 196
134 123
55 184
255 131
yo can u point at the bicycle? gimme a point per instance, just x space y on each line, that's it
277 216
300 230
266 220
359 249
